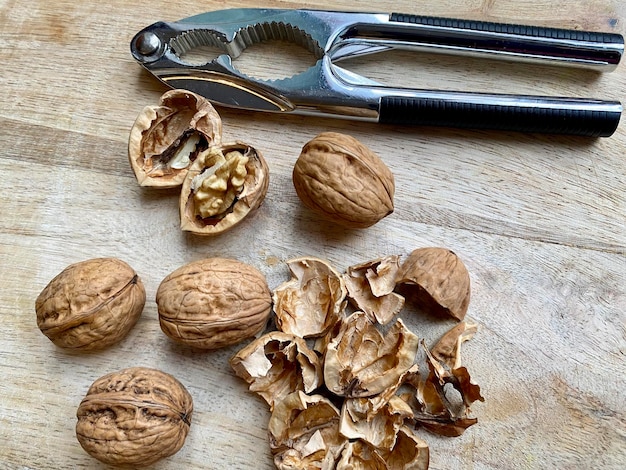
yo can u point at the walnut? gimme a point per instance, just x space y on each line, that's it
165 139
361 362
134 417
213 303
342 180
223 186
440 280
313 300
90 305
278 364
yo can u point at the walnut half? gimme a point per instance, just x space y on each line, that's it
222 187
165 139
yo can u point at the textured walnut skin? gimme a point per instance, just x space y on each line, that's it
213 303
247 202
136 417
342 180
442 276
91 305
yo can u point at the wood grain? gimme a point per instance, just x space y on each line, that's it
539 220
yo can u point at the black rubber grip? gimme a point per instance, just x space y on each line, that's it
470 115
520 30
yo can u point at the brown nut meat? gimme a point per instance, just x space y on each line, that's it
441 279
91 305
223 186
342 180
213 303
165 139
134 417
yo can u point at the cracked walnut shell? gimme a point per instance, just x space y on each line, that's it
222 187
136 416
91 305
165 139
361 362
339 178
277 364
440 279
213 303
312 301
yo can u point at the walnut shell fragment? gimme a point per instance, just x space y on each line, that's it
313 300
134 417
165 139
440 279
409 452
378 426
223 186
213 303
342 180
91 305
370 288
432 408
361 362
278 364
304 432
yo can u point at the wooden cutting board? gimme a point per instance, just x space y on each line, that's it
538 220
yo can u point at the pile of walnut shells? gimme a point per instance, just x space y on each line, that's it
344 389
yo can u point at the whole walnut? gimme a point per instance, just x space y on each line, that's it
91 304
213 303
136 416
342 180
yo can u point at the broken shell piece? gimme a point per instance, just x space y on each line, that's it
165 139
378 427
313 300
409 452
304 432
432 407
360 455
223 186
370 288
276 365
360 362
441 279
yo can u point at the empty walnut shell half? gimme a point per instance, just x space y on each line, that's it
441 280
213 303
342 180
223 186
91 304
134 417
165 139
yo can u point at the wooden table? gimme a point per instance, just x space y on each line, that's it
538 220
